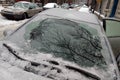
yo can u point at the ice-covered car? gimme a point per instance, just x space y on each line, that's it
50 6
21 10
67 45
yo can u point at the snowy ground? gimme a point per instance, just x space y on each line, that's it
6 24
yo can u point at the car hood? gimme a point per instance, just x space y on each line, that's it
13 9
49 67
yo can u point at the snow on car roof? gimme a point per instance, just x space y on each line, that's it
84 8
50 5
75 15
24 1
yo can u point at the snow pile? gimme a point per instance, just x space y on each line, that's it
10 72
49 67
1 8
4 21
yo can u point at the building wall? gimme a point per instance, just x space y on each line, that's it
106 7
109 8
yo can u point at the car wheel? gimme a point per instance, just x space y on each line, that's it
24 16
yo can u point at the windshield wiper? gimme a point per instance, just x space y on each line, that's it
85 73
18 57
11 50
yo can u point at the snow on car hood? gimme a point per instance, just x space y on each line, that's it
50 68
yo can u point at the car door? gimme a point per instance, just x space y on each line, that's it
37 9
31 10
112 29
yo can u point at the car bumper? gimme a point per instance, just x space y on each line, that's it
11 15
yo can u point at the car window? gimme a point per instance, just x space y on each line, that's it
72 41
33 6
21 5
18 5
26 5
112 28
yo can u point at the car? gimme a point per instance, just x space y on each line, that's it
65 6
84 8
50 6
21 10
59 44
74 5
112 30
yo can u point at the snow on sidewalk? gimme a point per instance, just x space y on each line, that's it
6 24
4 21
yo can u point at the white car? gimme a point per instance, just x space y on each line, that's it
58 44
84 8
50 5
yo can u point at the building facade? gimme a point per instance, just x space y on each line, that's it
117 14
107 8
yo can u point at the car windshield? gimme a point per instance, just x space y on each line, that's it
21 5
67 39
69 43
65 5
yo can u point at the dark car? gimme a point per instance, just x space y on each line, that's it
21 10
59 44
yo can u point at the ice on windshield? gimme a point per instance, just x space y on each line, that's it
72 41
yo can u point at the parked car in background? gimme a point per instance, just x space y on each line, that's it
21 10
65 6
50 6
84 8
112 29
59 44
74 5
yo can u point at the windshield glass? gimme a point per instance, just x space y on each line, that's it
72 41
21 5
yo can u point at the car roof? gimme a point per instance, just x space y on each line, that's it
49 5
72 14
24 2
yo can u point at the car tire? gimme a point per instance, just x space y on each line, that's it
24 16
